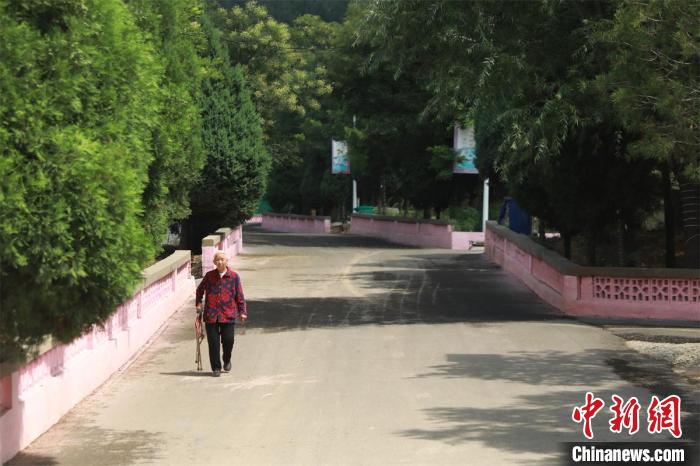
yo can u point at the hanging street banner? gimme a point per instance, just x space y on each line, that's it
340 163
465 146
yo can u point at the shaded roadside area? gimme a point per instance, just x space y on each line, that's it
423 286
396 284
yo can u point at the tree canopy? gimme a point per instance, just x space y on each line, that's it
544 81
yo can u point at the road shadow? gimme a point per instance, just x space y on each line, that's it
418 288
189 373
529 367
521 426
92 445
257 236
30 459
534 424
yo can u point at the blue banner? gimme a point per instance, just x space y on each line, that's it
465 146
340 162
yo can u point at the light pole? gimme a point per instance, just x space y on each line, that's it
485 205
355 202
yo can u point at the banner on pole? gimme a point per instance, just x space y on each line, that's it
340 163
465 146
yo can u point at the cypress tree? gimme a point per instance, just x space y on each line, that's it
235 172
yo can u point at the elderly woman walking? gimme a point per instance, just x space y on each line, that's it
223 304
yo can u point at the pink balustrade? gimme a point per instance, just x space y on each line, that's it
35 395
424 233
296 223
667 294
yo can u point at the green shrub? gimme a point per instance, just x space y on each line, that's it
79 98
465 218
388 211
176 141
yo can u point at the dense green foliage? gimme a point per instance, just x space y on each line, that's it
570 99
79 103
655 77
176 142
287 11
399 153
286 68
466 219
281 79
654 82
234 175
108 112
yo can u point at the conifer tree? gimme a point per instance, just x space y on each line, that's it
235 172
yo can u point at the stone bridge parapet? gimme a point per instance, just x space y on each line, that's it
617 292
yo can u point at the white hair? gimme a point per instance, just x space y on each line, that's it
220 253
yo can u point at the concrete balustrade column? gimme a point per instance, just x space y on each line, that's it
570 290
139 309
225 241
6 392
209 245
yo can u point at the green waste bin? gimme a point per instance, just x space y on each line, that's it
365 209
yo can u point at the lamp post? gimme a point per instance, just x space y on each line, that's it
485 205
355 202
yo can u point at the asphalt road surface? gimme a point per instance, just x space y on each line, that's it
359 352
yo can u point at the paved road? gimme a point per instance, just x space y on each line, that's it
360 352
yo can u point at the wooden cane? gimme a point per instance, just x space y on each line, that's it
199 336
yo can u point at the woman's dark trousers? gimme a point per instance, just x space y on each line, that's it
222 333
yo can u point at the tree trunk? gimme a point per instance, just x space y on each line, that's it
567 244
592 249
196 227
620 238
540 229
185 234
630 243
669 220
690 211
383 193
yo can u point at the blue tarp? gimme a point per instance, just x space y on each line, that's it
518 220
